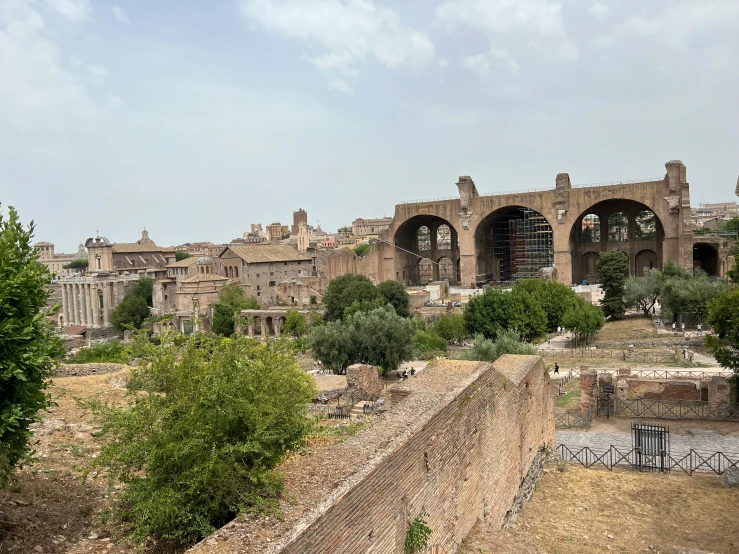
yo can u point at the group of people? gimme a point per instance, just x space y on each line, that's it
404 375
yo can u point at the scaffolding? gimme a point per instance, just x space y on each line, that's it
522 244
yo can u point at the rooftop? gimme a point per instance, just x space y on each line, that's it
204 277
265 253
187 262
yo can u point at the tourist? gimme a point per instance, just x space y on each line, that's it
550 341
559 330
700 328
674 325
413 371
556 368
682 327
405 374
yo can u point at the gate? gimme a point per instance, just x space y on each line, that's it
651 444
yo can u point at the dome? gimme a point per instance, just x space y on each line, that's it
205 260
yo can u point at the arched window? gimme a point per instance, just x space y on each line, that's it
236 272
423 239
618 227
590 229
443 238
646 225
446 270
230 271
425 271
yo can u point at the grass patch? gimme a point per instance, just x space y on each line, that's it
637 328
565 400
110 352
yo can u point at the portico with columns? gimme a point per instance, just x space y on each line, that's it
90 300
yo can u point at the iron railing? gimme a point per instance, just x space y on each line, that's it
691 462
619 182
660 409
659 373
573 420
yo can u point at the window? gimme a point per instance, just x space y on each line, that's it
271 283
257 275
271 273
285 263
258 287
259 293
236 271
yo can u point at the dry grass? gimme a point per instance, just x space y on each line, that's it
628 329
581 511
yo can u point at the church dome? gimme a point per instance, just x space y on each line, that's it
205 260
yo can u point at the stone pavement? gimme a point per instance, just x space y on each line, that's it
705 442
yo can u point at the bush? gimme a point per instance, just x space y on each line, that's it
394 293
205 424
110 352
230 300
344 291
451 327
497 310
29 347
506 342
554 298
427 341
362 250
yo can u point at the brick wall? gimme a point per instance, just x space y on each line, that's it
458 444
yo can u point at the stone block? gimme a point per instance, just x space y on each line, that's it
731 477
363 382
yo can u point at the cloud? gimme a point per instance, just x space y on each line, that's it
74 10
443 63
97 71
445 116
120 14
478 63
599 11
534 25
342 86
350 33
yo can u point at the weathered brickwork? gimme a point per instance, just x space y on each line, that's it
458 446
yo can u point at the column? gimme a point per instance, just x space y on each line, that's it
75 307
93 309
263 321
83 303
107 295
251 328
90 311
65 303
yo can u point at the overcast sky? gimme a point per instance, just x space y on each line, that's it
195 118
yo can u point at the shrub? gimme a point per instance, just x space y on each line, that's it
362 250
394 293
110 352
205 424
506 342
29 347
427 341
451 327
497 310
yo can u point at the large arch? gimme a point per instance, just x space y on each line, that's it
513 243
705 257
409 252
625 225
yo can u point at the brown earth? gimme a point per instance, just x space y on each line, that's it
581 511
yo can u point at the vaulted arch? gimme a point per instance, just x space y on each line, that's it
424 237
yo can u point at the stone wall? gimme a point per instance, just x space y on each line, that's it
459 444
673 342
657 356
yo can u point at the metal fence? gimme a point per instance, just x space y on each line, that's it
689 463
660 409
658 373
573 420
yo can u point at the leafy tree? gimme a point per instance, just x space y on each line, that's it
497 310
732 225
343 291
554 298
642 292
362 250
451 327
506 342
395 294
584 320
363 306
204 426
587 234
144 288
295 325
230 300
425 341
29 348
182 255
80 264
613 267
690 297
315 320
130 313
724 317
380 337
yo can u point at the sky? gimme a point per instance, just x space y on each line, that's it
194 119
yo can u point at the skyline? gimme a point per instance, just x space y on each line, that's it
195 121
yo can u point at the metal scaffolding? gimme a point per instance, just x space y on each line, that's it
522 245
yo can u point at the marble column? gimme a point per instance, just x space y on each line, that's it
264 327
65 303
75 305
106 304
85 298
90 308
94 306
251 329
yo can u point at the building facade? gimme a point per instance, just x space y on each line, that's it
56 261
370 227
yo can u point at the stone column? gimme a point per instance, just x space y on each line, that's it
276 326
251 329
263 321
94 306
75 307
84 301
65 303
90 310
107 295
588 388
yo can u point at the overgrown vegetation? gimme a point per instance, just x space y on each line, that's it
110 352
613 268
230 300
134 308
362 250
498 310
79 264
418 535
506 342
182 255
349 294
205 424
29 347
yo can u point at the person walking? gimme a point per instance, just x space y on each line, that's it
700 328
559 330
556 368
674 325
682 327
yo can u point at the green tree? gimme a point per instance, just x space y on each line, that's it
363 306
295 325
204 426
181 255
554 298
394 293
642 293
144 288
495 310
230 300
80 264
724 318
343 291
584 320
362 250
506 342
315 320
130 313
690 297
732 225
29 348
426 342
333 345
587 234
613 268
451 327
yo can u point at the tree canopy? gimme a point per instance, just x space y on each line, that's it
230 300
134 308
613 268
690 296
362 250
554 298
394 293
79 264
343 291
182 255
379 337
451 327
29 347
584 320
642 293
724 317
497 310
505 342
205 423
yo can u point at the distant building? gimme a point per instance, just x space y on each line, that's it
276 231
301 216
370 227
54 261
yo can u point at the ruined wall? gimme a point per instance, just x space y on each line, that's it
466 463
